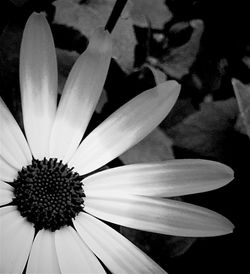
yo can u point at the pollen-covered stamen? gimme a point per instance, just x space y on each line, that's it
48 194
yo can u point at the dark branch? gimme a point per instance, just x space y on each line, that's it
115 14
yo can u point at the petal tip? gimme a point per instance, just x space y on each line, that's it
35 25
173 85
228 227
170 88
220 226
36 18
222 172
100 40
230 172
235 81
227 171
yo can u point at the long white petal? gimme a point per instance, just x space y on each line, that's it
43 258
165 179
6 193
114 250
80 96
13 146
7 172
125 127
159 215
38 80
73 254
16 236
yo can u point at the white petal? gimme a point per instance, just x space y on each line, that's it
43 258
16 236
73 254
13 146
126 127
7 172
114 250
38 80
165 179
80 96
159 215
6 193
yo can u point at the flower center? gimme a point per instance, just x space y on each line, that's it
48 194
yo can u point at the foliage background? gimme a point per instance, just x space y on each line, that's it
203 45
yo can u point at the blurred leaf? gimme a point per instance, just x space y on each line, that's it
153 13
242 93
182 108
87 16
155 147
209 74
158 246
178 60
207 132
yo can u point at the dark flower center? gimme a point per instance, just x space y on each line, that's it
48 193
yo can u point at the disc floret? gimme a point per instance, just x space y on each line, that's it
48 193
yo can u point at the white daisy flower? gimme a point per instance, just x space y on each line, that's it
52 203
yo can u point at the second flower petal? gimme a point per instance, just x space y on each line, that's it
74 256
13 145
158 215
16 236
6 193
125 127
43 258
80 96
38 82
166 179
7 172
114 250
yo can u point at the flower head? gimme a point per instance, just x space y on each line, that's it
51 201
